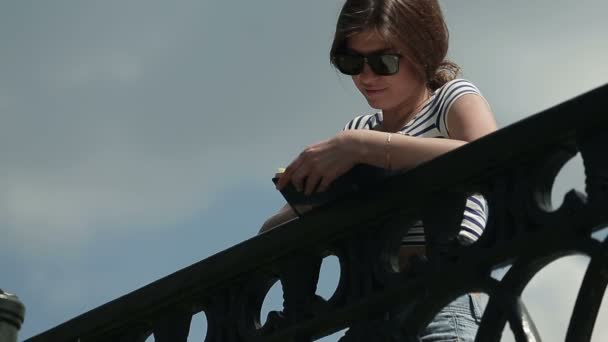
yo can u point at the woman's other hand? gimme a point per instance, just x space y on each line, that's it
285 214
321 163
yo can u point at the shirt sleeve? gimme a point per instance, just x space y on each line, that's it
449 93
474 219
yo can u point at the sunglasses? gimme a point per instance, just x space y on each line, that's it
382 64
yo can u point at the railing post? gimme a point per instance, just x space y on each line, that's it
12 313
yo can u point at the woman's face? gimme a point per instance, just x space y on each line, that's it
390 93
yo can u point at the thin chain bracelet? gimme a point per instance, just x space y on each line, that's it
387 152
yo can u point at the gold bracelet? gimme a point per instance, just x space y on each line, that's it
387 152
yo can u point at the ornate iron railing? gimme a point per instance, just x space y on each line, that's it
514 168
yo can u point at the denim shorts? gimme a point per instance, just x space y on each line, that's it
458 321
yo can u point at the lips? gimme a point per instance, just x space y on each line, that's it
372 92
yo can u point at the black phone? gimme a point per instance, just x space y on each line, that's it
360 177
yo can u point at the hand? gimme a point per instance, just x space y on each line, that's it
321 163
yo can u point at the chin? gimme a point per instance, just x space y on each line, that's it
375 104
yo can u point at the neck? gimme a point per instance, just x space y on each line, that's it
394 119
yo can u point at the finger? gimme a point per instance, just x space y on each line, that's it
302 208
311 182
298 178
279 172
283 179
287 175
325 183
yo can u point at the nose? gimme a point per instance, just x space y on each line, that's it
367 75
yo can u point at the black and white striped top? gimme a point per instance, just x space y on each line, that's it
431 122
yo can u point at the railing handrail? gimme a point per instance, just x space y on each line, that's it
508 145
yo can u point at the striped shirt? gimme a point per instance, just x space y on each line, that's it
431 122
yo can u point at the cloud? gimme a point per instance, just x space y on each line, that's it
5 101
112 190
95 66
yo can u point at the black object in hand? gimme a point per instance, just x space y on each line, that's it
358 178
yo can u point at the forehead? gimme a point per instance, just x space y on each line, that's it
368 41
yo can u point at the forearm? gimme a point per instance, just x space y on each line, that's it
405 152
285 214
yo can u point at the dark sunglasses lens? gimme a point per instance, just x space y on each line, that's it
384 64
349 64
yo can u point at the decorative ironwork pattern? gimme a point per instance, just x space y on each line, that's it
513 168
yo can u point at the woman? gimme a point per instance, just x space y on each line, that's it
395 51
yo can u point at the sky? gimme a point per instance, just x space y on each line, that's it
139 137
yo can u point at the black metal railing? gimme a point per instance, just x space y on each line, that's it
514 168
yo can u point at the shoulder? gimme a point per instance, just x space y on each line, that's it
455 88
466 115
447 94
366 121
446 97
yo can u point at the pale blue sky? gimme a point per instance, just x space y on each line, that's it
132 131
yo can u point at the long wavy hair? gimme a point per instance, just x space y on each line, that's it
415 26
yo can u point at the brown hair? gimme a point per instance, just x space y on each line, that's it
415 25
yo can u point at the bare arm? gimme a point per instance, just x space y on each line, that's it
469 118
320 164
284 214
